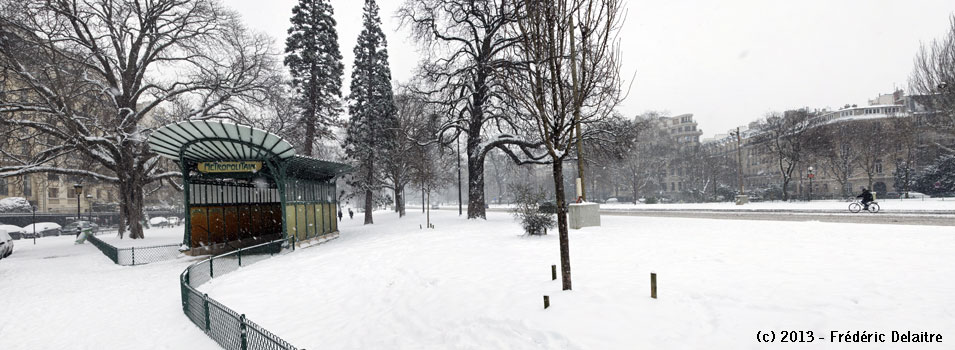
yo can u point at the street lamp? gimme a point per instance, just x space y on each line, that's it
79 193
811 175
34 223
89 201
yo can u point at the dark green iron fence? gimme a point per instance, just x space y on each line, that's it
135 255
229 328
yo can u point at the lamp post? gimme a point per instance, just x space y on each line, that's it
79 194
34 223
741 198
89 201
810 184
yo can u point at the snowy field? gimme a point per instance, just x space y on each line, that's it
57 295
834 206
479 285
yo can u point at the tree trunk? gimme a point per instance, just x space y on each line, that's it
422 200
785 189
369 205
400 201
562 224
475 182
131 196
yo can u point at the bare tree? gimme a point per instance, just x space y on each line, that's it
787 137
871 145
91 75
412 118
833 145
465 67
933 77
561 79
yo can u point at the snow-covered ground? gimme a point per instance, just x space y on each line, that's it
57 295
152 237
479 285
837 206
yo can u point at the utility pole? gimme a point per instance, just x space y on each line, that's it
741 197
457 141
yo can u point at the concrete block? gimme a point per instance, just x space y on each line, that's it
583 215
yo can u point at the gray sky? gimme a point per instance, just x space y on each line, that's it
727 62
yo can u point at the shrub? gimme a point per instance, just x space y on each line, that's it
528 211
651 200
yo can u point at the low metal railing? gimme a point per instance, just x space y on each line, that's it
232 330
135 255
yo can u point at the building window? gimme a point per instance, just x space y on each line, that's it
53 192
878 166
27 186
52 177
3 187
673 186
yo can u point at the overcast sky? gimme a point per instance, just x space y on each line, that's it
728 62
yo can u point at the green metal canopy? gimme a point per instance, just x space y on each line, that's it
201 140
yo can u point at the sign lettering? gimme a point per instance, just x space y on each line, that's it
230 167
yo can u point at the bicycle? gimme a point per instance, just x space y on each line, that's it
857 206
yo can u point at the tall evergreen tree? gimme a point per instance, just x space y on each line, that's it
371 107
315 63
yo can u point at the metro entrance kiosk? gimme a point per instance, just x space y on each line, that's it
244 186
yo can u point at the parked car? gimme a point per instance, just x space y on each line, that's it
83 225
44 229
6 244
15 232
158 221
174 221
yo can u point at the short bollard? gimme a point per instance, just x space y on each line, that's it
546 301
553 272
653 285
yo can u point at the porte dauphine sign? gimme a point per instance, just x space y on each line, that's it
230 167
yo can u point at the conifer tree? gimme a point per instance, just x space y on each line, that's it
371 108
315 63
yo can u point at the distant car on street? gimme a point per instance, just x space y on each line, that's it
174 221
83 225
6 244
44 229
15 232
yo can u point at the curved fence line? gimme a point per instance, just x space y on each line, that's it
232 330
133 255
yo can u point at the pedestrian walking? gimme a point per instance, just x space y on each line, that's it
339 215
351 214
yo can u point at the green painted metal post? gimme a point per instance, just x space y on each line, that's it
239 253
205 303
134 255
187 237
211 260
242 334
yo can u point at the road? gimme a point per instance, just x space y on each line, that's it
935 218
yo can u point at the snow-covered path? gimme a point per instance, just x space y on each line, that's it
479 285
56 295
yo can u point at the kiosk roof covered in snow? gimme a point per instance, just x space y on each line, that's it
243 184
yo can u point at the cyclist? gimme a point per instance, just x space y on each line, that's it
866 198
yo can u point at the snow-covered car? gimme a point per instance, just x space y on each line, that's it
613 200
916 195
6 244
15 232
44 229
83 225
173 220
158 221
